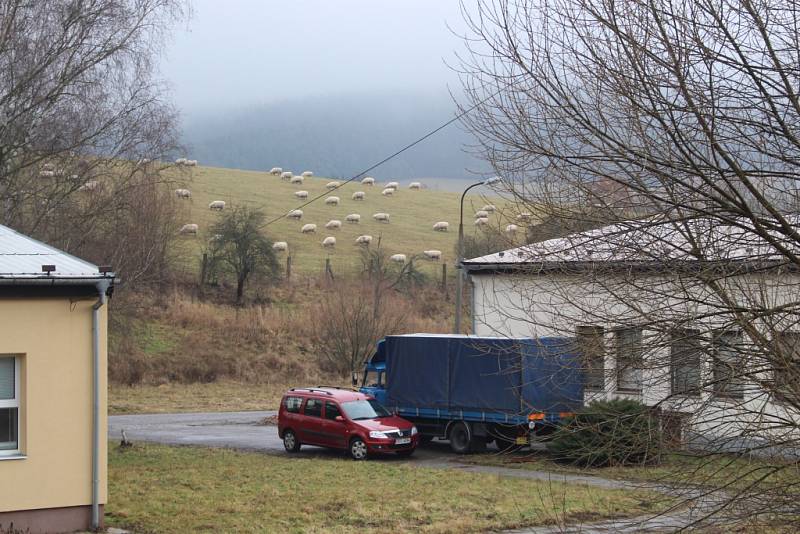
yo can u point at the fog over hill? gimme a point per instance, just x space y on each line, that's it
338 136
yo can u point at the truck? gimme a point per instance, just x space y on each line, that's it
474 390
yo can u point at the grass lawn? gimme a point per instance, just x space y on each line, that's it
182 489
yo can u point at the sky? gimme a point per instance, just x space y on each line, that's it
235 53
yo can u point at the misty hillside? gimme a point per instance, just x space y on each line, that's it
336 136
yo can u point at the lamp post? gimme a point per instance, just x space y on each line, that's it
460 247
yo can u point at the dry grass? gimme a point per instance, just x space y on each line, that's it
180 489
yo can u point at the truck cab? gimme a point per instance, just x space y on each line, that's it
373 380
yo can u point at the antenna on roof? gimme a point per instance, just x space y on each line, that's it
48 269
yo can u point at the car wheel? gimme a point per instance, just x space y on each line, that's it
405 453
460 438
358 449
290 441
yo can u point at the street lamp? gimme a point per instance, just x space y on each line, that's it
460 246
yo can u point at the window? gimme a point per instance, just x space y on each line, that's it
313 408
628 343
293 404
591 345
728 365
9 405
786 366
684 362
331 410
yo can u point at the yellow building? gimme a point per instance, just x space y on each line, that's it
53 326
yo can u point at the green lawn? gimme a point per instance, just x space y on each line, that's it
180 489
413 214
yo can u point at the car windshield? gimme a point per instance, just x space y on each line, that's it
364 409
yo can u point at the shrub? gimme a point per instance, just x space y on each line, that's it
616 432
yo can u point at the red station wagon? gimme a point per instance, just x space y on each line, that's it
343 419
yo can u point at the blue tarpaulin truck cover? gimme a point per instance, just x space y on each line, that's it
504 375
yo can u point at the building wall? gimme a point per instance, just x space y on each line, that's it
54 339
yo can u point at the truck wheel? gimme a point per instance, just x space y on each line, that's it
290 441
460 437
358 449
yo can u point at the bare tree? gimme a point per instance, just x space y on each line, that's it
679 122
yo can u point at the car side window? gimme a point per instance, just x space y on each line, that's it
293 404
313 408
331 410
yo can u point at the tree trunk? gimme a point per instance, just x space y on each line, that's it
239 290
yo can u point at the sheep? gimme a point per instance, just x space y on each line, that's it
308 229
353 218
481 221
381 217
295 214
364 240
524 216
180 161
301 194
280 246
189 229
512 229
387 192
332 201
286 175
369 180
441 226
296 180
415 185
393 185
91 185
481 214
332 185
359 195
329 242
398 258
490 208
434 255
333 224
191 163
183 193
275 171
218 205
307 174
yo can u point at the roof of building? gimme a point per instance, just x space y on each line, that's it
655 241
22 258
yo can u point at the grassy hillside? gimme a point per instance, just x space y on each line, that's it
413 214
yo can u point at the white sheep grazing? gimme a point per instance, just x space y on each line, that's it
218 205
393 185
441 226
333 224
280 246
381 217
309 228
398 258
296 180
191 163
307 174
387 192
301 194
183 193
332 185
189 229
286 175
432 254
481 221
481 214
364 240
369 180
329 242
275 171
180 161
332 201
490 208
524 216
415 185
295 214
512 229
359 195
353 218
91 185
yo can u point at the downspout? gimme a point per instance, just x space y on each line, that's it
102 288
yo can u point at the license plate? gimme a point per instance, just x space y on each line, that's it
402 441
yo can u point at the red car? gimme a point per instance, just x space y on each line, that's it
343 419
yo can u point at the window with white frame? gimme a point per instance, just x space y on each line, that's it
686 355
728 365
9 405
628 342
592 347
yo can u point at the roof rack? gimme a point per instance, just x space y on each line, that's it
312 389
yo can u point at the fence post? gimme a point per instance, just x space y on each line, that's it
288 267
444 282
328 270
203 272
